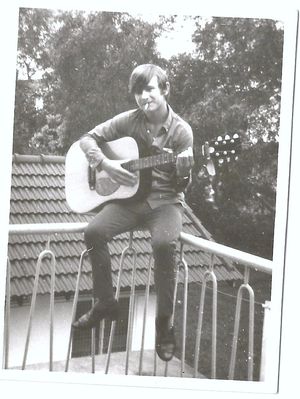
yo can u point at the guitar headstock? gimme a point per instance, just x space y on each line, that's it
221 150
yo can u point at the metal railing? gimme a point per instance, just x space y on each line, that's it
216 250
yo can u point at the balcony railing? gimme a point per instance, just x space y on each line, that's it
245 261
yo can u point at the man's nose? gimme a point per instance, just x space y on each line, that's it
144 94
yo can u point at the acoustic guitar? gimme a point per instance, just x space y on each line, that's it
86 189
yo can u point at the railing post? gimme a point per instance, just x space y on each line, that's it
184 319
131 304
7 317
147 291
52 297
208 274
247 287
101 336
75 301
42 255
173 310
93 343
264 369
214 319
113 323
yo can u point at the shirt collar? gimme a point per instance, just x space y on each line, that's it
167 124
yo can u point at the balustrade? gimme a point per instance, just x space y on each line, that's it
215 250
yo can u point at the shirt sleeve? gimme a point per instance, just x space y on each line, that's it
91 142
184 140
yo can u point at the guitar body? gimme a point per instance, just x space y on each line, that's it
79 194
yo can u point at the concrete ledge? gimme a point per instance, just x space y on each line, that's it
117 365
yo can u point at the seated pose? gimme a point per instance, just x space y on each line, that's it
157 205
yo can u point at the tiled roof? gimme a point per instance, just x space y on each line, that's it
37 196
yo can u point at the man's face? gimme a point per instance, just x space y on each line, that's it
151 98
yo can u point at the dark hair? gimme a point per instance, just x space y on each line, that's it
142 74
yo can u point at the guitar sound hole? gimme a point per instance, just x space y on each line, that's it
106 186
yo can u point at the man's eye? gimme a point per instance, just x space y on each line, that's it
147 89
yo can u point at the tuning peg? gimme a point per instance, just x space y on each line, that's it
228 159
210 167
232 151
217 154
221 161
227 137
236 158
236 136
219 138
225 153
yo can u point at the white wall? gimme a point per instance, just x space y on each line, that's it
40 333
38 351
149 341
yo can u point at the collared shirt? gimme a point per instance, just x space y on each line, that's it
175 134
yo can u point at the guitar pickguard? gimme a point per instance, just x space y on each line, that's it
105 186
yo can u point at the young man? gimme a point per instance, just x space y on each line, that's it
158 204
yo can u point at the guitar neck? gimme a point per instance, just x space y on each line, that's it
221 149
150 162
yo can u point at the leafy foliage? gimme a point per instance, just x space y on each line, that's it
34 30
232 85
93 57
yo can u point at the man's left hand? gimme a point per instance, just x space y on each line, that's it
185 161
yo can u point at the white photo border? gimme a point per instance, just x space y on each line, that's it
284 255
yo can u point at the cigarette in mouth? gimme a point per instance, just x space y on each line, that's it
146 106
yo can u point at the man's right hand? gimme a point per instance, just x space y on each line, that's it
117 173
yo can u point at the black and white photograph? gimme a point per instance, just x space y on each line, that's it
147 187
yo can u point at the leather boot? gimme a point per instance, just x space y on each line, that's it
98 312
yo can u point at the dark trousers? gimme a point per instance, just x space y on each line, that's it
164 224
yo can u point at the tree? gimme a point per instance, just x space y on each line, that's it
232 85
32 58
34 30
93 56
86 59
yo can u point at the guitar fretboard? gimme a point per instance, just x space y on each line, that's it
150 162
223 148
